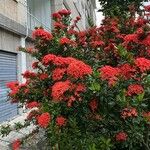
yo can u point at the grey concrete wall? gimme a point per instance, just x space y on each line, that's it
9 41
14 10
11 25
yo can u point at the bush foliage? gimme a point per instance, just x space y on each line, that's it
120 7
89 89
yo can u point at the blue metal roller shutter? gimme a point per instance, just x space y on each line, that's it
8 72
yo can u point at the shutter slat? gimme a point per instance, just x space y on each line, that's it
8 72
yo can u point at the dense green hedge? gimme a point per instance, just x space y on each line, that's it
119 7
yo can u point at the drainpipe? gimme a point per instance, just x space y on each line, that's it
23 58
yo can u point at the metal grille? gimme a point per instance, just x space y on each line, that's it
8 72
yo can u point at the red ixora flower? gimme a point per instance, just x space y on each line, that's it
58 74
93 105
12 84
64 40
147 8
41 33
16 144
29 74
35 64
44 120
146 115
143 64
59 88
121 136
49 58
64 12
60 25
110 74
127 71
134 89
61 121
79 88
131 38
78 18
56 15
63 61
129 112
33 104
78 69
43 76
97 44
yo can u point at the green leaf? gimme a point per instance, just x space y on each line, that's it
141 96
95 86
122 51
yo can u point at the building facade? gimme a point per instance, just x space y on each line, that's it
17 19
83 8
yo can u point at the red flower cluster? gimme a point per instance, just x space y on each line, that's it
16 144
93 105
143 64
41 33
44 120
58 74
97 44
43 76
35 64
59 89
146 41
78 69
74 68
129 112
121 136
14 87
147 8
61 121
59 25
127 71
47 59
29 74
110 74
56 16
78 18
62 61
64 12
64 40
146 115
12 84
131 38
33 104
134 89
76 90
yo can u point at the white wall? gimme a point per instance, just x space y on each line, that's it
99 15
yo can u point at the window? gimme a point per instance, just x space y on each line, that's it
39 13
8 72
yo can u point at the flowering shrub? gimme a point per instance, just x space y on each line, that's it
90 89
120 8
